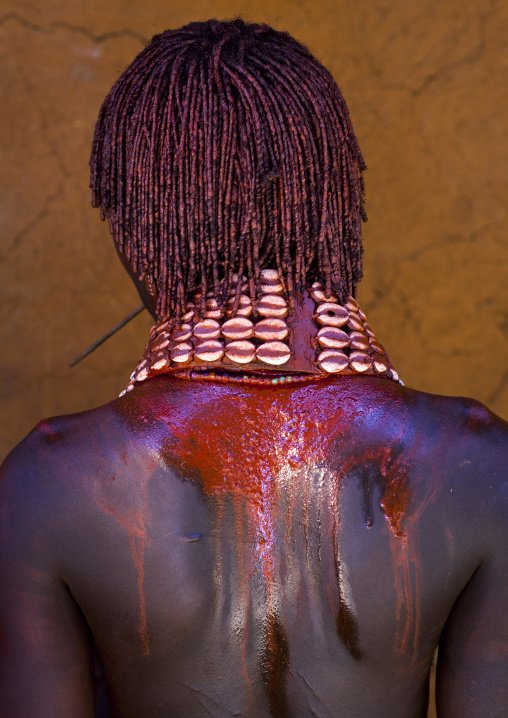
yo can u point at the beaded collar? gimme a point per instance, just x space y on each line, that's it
254 342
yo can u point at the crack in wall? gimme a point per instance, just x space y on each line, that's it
14 17
53 152
79 29
35 221
448 240
475 53
471 57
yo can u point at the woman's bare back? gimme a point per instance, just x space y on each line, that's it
252 551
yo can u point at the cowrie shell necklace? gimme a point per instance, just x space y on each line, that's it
250 341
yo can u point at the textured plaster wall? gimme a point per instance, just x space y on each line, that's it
425 81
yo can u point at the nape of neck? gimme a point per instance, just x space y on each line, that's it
260 340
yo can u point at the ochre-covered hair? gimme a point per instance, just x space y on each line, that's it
224 148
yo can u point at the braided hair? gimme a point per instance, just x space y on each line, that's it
225 148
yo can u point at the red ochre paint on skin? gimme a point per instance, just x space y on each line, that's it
257 447
134 517
405 549
404 543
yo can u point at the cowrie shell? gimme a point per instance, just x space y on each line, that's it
141 375
181 353
271 305
212 309
376 346
352 304
159 354
270 282
332 361
161 363
189 313
331 314
318 295
275 353
359 361
272 288
359 341
238 328
368 329
207 329
211 350
379 363
158 328
162 341
241 352
244 306
182 333
395 376
270 329
269 275
354 323
333 337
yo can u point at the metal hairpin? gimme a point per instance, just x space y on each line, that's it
102 339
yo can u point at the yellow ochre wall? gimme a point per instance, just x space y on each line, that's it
425 81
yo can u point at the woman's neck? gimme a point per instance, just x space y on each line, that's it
265 339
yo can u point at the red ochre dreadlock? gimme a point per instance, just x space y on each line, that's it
224 148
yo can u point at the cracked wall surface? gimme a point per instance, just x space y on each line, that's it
426 86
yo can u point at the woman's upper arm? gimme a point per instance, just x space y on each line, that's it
46 667
472 674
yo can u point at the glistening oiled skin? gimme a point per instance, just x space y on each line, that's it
250 551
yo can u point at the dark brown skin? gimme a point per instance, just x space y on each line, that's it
190 527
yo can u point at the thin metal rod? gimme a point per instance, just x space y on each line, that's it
102 339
